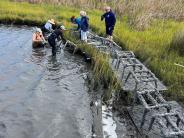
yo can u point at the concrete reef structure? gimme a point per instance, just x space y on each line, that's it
160 118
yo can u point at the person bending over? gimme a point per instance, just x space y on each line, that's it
55 35
77 21
48 27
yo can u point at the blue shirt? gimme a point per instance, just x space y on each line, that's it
48 26
78 22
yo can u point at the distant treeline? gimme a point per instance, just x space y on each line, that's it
139 12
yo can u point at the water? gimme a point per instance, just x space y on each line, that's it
109 124
117 124
41 97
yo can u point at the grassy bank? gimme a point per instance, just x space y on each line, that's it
103 73
152 46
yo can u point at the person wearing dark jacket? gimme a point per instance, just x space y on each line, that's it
84 25
110 21
55 35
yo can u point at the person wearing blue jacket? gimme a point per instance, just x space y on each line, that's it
84 26
110 21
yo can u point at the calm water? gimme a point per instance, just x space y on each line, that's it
41 97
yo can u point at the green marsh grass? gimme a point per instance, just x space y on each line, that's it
100 64
152 46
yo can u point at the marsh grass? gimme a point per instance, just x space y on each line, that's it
152 46
102 71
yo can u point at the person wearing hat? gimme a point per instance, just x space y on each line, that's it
55 35
77 21
84 26
38 40
48 27
110 21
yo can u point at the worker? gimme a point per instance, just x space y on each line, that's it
84 26
48 27
55 35
110 21
38 40
77 21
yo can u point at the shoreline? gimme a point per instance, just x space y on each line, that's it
21 22
150 46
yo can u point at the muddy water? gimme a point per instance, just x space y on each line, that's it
41 97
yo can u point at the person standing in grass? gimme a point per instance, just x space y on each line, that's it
110 21
84 25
